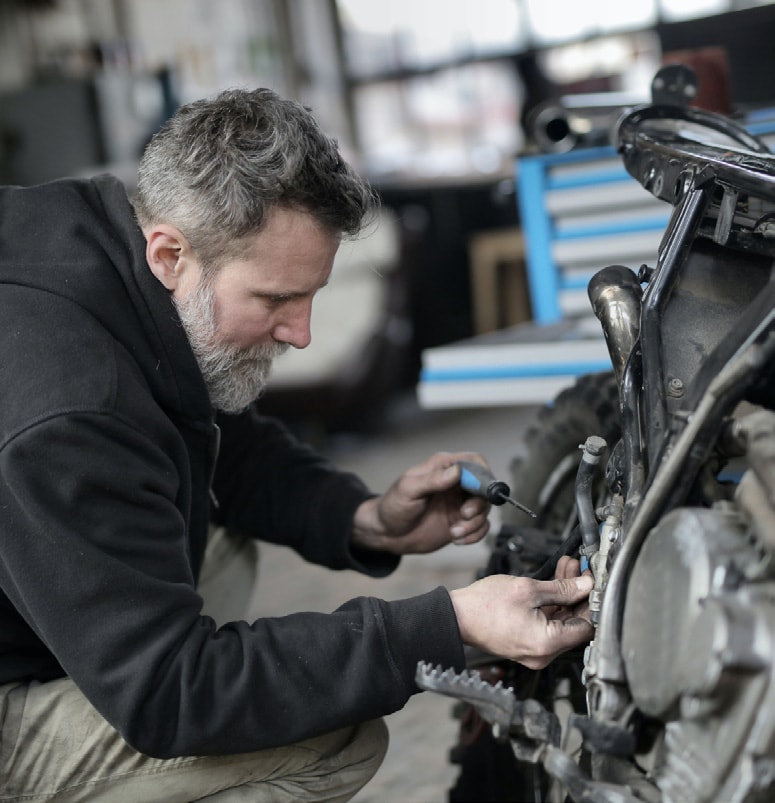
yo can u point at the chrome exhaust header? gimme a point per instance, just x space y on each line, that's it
617 299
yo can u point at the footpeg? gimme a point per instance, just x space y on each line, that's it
526 722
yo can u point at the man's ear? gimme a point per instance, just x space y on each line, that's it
170 257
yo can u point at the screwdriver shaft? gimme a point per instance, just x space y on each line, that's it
520 506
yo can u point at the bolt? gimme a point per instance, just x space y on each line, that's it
675 388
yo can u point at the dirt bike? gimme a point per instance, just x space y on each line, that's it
670 502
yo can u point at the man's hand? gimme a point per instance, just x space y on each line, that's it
524 620
423 510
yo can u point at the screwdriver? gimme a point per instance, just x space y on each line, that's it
476 479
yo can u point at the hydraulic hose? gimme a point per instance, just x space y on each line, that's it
593 450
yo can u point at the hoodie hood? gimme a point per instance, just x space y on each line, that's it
79 240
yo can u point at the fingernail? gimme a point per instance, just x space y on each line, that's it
457 531
584 583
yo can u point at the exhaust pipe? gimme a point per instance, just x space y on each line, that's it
586 119
617 298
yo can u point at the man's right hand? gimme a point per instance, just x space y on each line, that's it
525 620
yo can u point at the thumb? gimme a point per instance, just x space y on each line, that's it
566 591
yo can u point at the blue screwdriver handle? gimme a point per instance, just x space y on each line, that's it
477 480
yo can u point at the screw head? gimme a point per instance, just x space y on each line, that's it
675 387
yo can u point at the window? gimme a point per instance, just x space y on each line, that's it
456 121
564 20
405 34
439 86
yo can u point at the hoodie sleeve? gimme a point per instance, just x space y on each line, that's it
270 486
95 558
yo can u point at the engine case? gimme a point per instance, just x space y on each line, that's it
698 640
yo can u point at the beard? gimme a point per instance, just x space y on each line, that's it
235 377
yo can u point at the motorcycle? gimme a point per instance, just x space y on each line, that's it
670 502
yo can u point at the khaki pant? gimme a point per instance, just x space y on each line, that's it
55 746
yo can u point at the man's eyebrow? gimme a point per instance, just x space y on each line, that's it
286 295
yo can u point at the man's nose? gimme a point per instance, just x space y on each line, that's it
294 326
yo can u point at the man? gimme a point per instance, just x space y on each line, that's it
134 340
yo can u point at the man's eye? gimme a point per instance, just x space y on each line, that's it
276 301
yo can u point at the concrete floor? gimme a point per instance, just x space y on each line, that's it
416 769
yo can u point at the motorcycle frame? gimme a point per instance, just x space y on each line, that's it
669 425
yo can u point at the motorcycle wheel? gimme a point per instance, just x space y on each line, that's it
543 475
543 478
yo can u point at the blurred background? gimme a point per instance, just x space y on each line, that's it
446 324
434 100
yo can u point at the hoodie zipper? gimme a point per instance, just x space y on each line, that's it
215 447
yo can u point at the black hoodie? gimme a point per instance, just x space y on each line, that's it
109 458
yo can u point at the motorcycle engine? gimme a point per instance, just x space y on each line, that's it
698 642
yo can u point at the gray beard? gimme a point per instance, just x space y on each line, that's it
234 377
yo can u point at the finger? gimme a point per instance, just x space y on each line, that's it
573 631
445 466
565 591
440 472
471 523
560 569
468 516
581 611
567 567
473 508
470 532
573 569
560 637
563 613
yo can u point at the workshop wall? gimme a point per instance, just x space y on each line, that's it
436 123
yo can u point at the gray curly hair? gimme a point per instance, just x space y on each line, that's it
218 166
